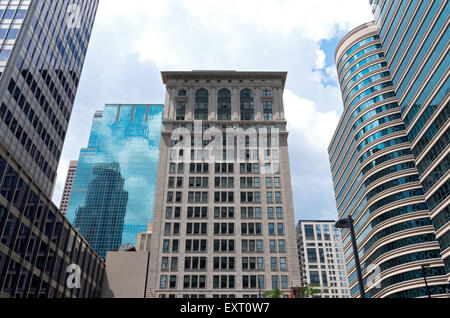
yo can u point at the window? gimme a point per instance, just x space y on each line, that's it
197 212
224 168
166 244
181 110
223 281
284 282
223 212
223 228
163 282
277 197
273 264
164 264
283 266
269 197
223 197
195 246
277 182
268 115
196 228
201 104
224 105
194 281
309 232
250 213
279 212
195 263
281 246
173 282
275 283
267 93
247 105
251 228
312 255
223 246
270 214
280 229
252 246
224 263
269 182
271 229
273 246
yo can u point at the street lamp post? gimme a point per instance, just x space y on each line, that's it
424 268
347 223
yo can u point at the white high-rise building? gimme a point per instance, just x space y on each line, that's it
322 258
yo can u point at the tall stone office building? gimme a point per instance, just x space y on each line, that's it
223 224
42 49
415 38
376 178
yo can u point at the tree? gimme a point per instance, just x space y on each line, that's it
311 290
274 293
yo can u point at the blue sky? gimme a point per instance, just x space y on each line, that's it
131 44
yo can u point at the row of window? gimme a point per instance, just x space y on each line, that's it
223 263
200 246
223 282
223 229
201 105
224 213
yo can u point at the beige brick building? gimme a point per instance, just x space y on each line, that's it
223 222
65 199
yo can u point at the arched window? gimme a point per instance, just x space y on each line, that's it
247 105
201 104
224 105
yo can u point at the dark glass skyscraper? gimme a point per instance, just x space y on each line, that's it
42 59
415 37
113 193
42 49
104 209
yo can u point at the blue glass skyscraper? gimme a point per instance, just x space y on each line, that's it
390 153
113 192
415 37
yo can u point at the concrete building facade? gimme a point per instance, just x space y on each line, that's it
68 186
322 262
224 220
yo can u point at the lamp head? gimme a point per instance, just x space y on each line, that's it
343 224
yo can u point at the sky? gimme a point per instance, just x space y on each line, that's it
132 43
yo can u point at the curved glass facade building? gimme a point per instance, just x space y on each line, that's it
113 192
415 37
375 178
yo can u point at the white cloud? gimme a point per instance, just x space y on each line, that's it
304 119
133 41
